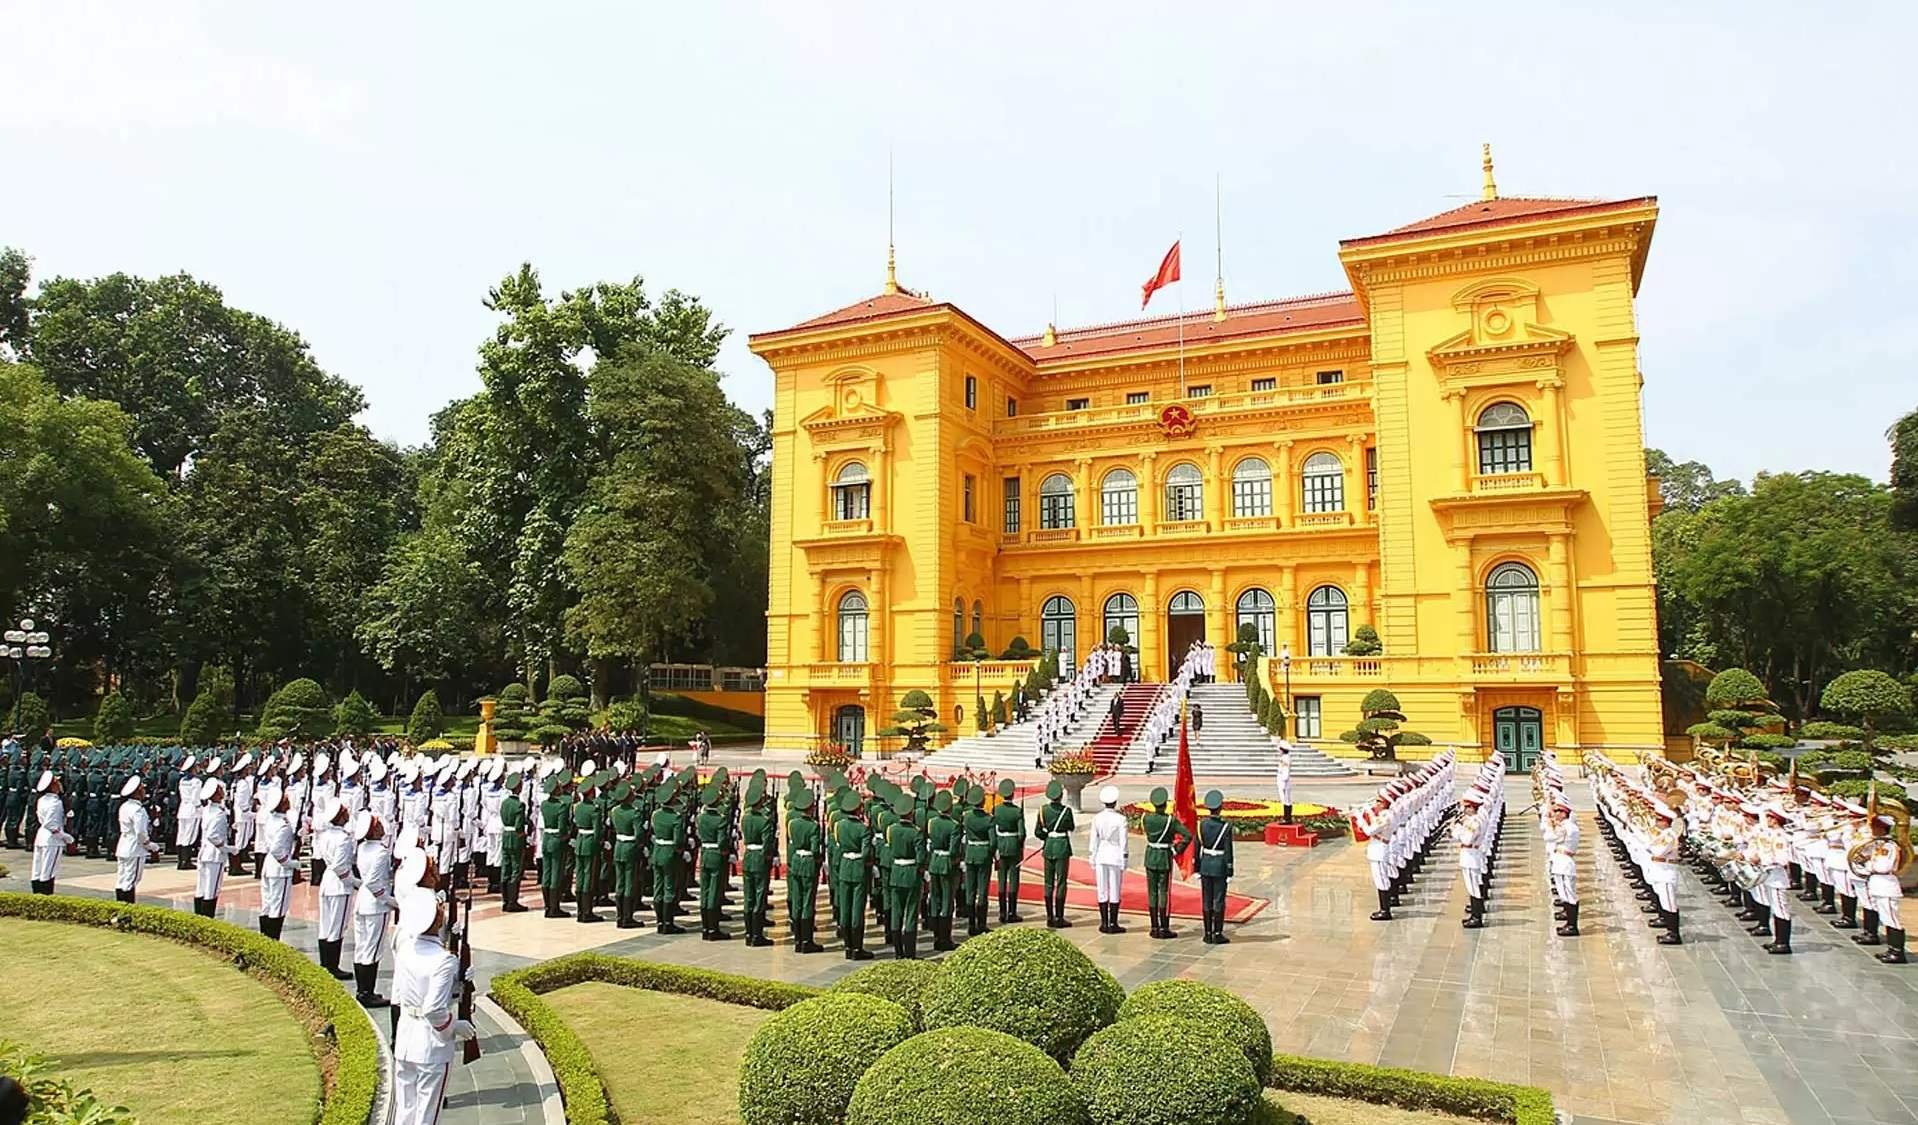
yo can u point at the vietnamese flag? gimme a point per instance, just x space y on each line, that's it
1168 273
1185 794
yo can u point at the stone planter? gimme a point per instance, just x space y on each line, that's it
1075 784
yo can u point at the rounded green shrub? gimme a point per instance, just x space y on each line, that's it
964 1076
1164 1070
298 710
1209 1005
802 1064
1826 731
114 721
1768 741
901 982
1031 984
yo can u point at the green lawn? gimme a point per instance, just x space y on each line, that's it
668 1058
163 1029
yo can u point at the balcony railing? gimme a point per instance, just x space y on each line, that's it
1116 531
1484 667
988 671
1211 406
850 674
1324 519
1521 665
1507 482
848 527
1180 527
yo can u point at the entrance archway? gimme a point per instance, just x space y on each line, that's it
1518 733
1184 624
849 727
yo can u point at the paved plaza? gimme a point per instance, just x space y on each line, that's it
1617 1027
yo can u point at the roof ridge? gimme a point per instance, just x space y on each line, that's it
1206 313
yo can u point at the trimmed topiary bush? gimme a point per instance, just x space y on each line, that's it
31 718
963 1075
1212 1006
427 720
901 982
354 715
298 710
1031 984
204 721
114 722
1165 1069
1826 731
802 1064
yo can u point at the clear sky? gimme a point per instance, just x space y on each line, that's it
364 172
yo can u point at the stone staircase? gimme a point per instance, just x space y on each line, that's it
1110 744
1231 743
1014 747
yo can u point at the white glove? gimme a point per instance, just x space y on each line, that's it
463 1029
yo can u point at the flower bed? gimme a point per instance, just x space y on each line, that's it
1249 818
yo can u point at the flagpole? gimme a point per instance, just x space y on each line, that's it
1181 244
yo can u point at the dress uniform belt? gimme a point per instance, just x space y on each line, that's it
1211 851
904 862
625 839
1003 832
1149 844
755 847
853 855
799 851
936 851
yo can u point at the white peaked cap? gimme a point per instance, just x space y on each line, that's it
1109 795
45 783
349 769
408 840
411 869
418 908
133 783
588 768
213 791
186 763
362 824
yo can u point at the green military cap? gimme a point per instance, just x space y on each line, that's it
624 790
1158 796
959 789
553 783
942 802
1214 799
668 790
650 775
756 788
849 802
978 796
902 804
714 792
720 777
795 781
759 775
1055 789
1007 788
922 786
802 800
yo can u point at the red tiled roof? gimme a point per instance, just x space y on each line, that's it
1262 318
872 308
1493 212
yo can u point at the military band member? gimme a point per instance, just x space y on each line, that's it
1009 850
372 905
50 837
1887 898
1661 872
334 847
1215 866
1469 833
276 840
135 844
851 837
1562 844
803 853
1771 850
1054 831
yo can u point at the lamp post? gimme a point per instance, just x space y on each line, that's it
24 644
1285 665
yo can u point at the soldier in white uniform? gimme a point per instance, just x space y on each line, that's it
136 843
1469 833
372 904
1110 841
1887 898
50 842
268 787
382 799
186 830
426 988
1375 820
335 849
243 812
1562 840
277 864
215 828
1285 780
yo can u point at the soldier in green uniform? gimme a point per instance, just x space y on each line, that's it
943 845
1054 830
1166 839
908 851
626 849
1009 849
16 791
759 841
977 826
879 882
667 832
835 788
586 831
1215 866
512 845
803 848
851 837
769 800
554 816
713 827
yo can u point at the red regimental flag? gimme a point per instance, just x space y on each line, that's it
1168 273
1185 795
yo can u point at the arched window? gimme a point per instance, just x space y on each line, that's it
1184 493
1511 609
1256 609
1122 610
1119 498
1185 602
1323 479
1325 621
852 628
958 625
1504 439
852 492
1055 501
979 618
1252 488
1058 629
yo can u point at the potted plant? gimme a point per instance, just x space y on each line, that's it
1073 771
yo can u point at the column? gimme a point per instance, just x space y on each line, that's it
1220 631
1551 433
1285 490
1288 609
1151 620
879 614
1149 492
881 489
1215 488
822 622
1558 574
1465 600
1362 595
1355 479
1085 499
1090 612
1462 436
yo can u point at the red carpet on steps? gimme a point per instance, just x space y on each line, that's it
1082 893
1107 745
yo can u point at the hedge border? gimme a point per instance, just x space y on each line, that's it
580 1088
338 1030
1413 1089
587 1103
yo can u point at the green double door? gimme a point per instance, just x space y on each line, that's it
1519 735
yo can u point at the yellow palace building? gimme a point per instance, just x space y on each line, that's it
1451 452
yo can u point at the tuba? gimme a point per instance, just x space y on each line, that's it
1858 858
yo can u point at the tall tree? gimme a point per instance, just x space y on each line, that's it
1687 485
1904 472
15 269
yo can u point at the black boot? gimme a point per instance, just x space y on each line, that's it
1116 927
856 947
1894 953
1474 913
942 935
318 867
367 977
1825 905
1763 926
123 896
1570 928
333 966
623 913
1670 936
583 910
1384 912
1848 916
259 863
1781 936
909 945
756 930
718 933
186 861
509 899
1751 912
236 865
1870 936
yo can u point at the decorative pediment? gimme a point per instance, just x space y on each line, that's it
1532 511
1502 342
853 418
